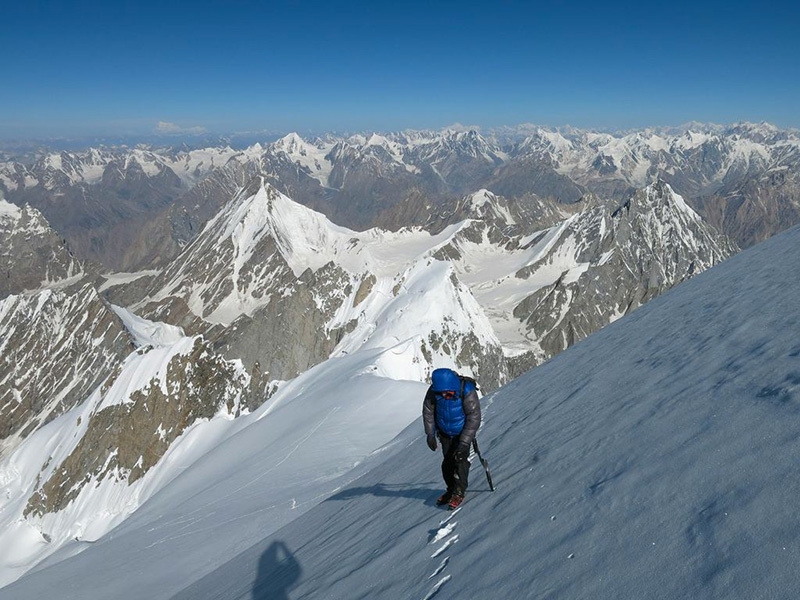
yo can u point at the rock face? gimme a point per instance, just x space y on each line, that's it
130 429
57 346
616 260
31 253
548 277
757 209
58 338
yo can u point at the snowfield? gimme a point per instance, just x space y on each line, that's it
655 459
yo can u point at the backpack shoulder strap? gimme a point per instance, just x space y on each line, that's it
467 380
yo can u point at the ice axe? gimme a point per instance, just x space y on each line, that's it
484 463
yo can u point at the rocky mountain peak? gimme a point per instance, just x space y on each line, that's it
665 218
32 255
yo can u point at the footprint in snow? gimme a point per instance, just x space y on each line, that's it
446 527
435 589
440 568
449 516
443 532
445 546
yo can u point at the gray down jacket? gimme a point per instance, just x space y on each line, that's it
472 412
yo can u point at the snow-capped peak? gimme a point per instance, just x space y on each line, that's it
291 142
485 204
311 157
304 237
660 191
481 198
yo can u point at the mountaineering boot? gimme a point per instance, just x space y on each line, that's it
444 498
455 501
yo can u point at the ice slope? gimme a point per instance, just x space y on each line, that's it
655 459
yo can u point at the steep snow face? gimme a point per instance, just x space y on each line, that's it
432 311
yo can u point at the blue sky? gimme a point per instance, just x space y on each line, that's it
93 68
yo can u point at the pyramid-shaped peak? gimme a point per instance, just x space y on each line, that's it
660 192
291 142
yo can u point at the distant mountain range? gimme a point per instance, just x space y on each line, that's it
130 209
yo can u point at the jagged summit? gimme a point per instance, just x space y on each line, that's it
268 264
728 173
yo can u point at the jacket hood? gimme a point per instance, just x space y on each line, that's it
443 380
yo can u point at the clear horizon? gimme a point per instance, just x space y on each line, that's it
246 138
82 69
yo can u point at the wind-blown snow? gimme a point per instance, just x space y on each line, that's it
655 459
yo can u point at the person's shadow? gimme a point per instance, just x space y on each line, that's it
278 572
389 491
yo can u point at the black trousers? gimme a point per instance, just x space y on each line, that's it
455 473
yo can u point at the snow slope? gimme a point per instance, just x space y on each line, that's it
655 459
232 479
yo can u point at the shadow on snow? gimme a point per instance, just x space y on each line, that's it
427 494
278 572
